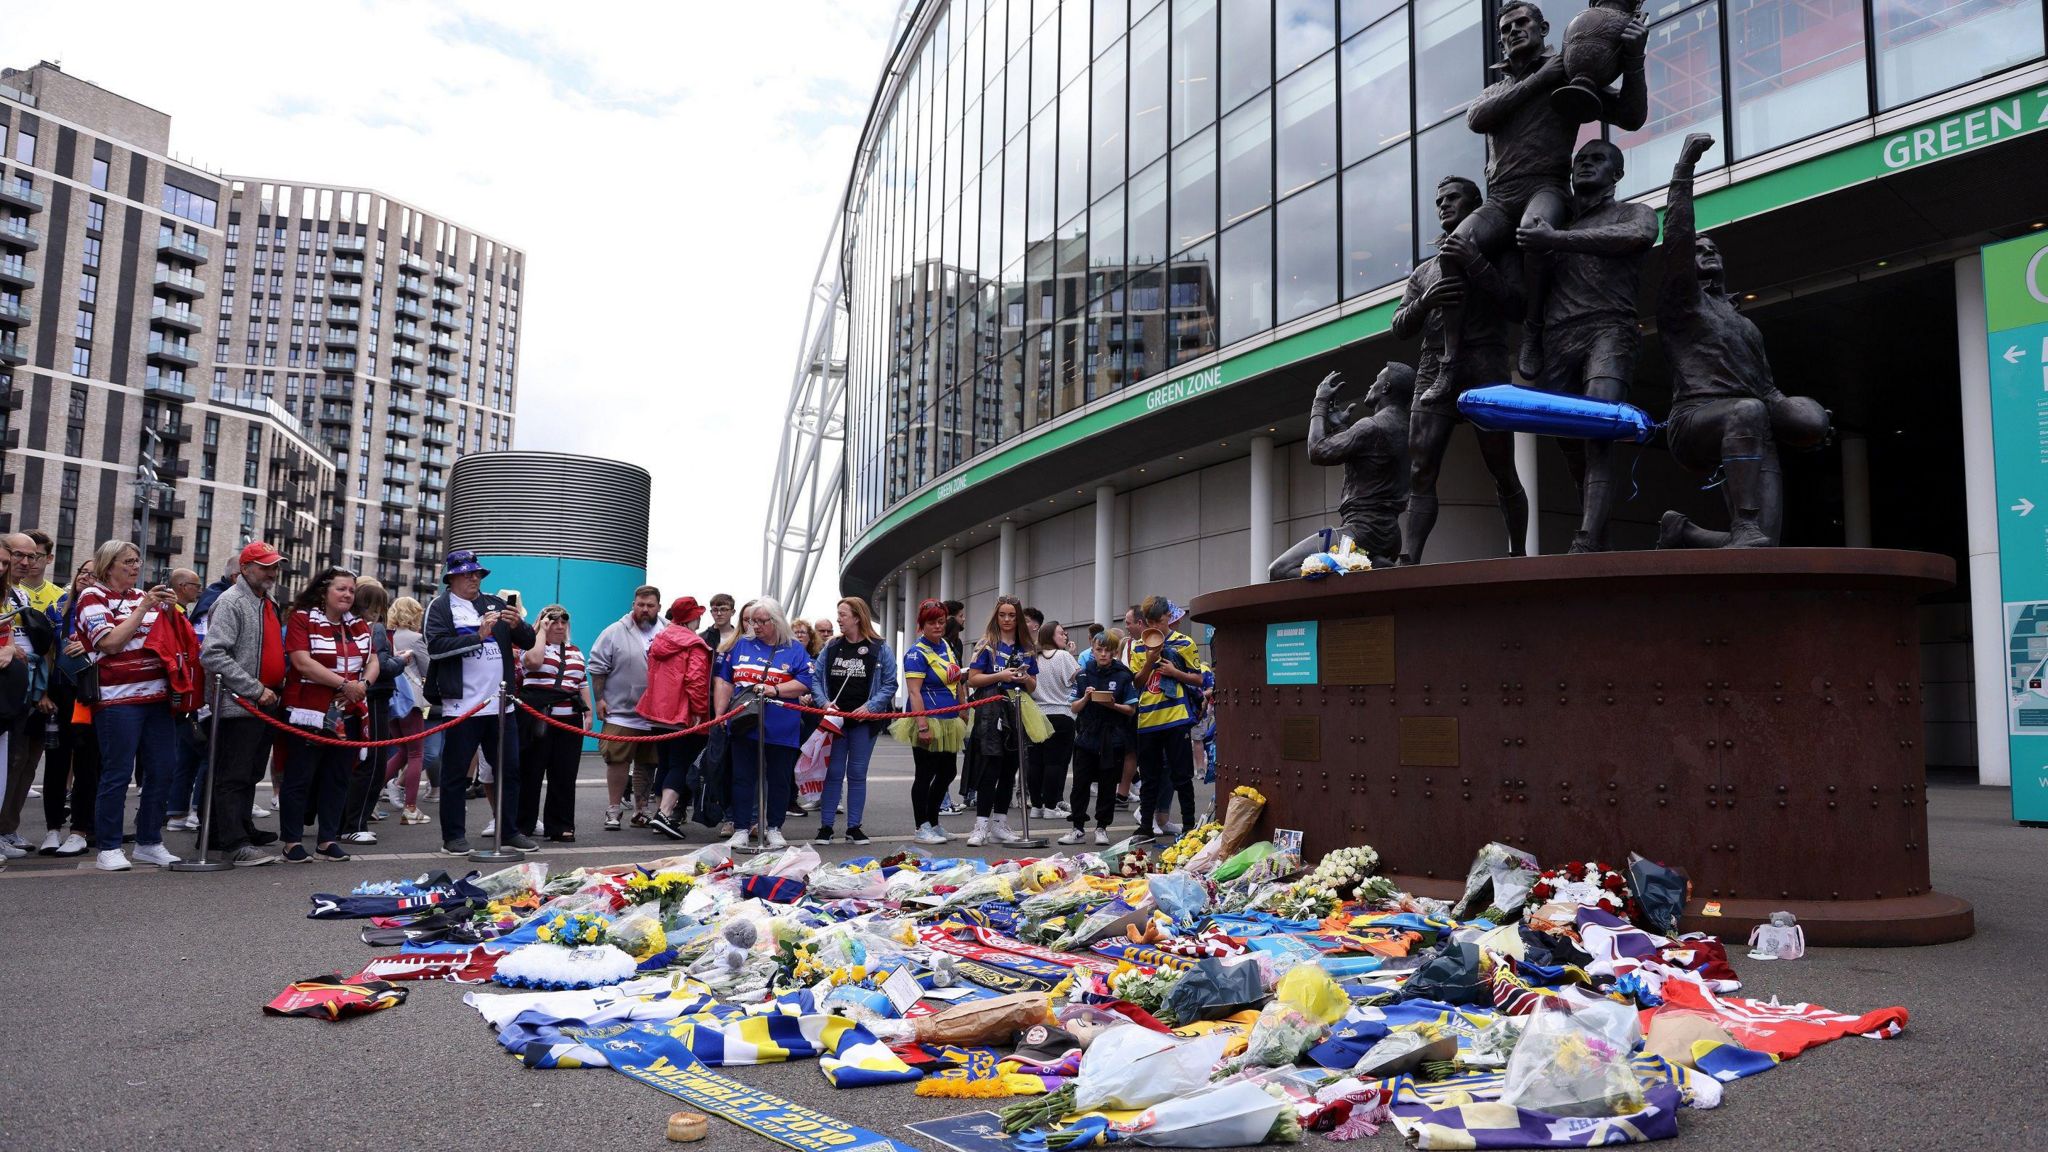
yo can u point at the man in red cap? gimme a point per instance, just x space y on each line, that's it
244 650
678 695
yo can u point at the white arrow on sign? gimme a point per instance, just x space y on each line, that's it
2024 506
2013 354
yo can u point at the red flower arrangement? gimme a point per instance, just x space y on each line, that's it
1592 883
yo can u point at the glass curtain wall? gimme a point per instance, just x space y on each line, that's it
1067 198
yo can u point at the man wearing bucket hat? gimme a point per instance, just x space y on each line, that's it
470 637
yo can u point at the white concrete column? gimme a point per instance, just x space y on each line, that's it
1525 470
1105 554
1856 490
1980 487
1261 535
945 573
906 626
1006 559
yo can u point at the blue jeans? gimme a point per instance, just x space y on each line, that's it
851 751
459 744
188 778
430 755
130 734
745 770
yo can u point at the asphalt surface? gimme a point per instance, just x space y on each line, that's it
137 1017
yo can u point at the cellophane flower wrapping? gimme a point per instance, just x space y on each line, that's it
1564 1068
1134 1067
1241 818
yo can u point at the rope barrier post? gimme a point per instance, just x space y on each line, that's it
497 853
1023 789
206 802
757 834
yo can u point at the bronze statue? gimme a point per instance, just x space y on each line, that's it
1726 412
1595 52
1460 287
1372 445
1594 269
1528 148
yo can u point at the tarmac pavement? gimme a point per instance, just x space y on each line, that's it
138 1023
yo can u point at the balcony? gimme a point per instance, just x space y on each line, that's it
430 482
440 387
175 510
444 343
435 458
405 354
183 247
176 432
401 406
344 291
10 439
17 315
408 331
339 338
412 263
338 389
13 353
448 297
447 275
339 362
342 416
444 366
21 195
181 282
405 376
166 545
342 243
436 415
446 321
394 527
409 310
412 287
17 272
397 454
395 498
429 531
437 437
344 314
167 386
351 268
174 470
432 504
16 233
173 351
172 316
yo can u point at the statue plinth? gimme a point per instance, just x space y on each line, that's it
1752 716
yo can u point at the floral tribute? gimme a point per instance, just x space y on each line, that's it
1590 883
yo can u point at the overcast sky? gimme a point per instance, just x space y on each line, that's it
670 170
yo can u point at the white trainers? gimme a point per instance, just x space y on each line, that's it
1171 829
10 852
50 843
490 826
112 861
775 839
359 837
1073 837
979 836
189 824
155 854
16 839
1000 825
924 835
739 839
1101 836
259 811
74 845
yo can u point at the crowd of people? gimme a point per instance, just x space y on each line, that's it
359 708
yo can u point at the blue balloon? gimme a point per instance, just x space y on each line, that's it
1511 408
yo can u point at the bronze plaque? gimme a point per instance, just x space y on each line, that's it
1357 651
1429 741
1301 738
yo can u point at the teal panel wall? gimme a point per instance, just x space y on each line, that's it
595 593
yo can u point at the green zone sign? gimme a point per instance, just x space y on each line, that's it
1987 124
2016 347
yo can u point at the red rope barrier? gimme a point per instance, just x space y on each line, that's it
946 711
651 738
251 707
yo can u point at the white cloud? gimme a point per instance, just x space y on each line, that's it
670 170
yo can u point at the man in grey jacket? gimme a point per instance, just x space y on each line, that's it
244 650
618 677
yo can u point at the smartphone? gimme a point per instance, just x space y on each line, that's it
510 596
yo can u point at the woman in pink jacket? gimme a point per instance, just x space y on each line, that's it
678 695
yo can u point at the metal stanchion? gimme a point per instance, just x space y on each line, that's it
757 833
206 802
1023 789
497 853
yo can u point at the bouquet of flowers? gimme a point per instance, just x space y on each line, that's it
1345 869
1303 900
1591 883
576 930
666 888
1145 987
1184 849
1241 818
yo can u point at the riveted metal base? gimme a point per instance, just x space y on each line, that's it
1752 716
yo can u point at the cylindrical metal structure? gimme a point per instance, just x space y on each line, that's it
1261 534
1105 554
556 527
1006 559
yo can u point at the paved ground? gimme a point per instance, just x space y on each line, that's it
137 1019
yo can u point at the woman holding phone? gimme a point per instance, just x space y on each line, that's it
1006 658
133 716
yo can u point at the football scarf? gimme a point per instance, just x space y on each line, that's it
848 1054
472 967
333 997
979 1073
1497 1125
1783 1030
994 968
761 1113
327 906
1017 947
1145 955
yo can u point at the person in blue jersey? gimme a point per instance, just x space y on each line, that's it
1104 698
765 660
1005 659
932 679
1168 667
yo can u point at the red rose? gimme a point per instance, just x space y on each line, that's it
1575 868
1613 883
